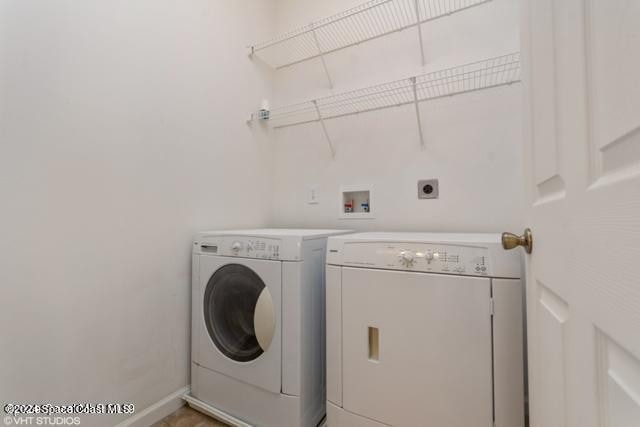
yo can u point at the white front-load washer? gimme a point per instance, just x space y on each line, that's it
258 326
424 329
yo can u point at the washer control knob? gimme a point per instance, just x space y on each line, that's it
407 258
236 246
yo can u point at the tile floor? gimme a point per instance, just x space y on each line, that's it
187 417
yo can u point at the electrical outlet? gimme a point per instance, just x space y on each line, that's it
428 189
313 196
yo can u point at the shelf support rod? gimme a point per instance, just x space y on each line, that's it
419 27
417 107
324 129
324 64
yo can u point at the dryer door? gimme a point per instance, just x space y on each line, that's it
240 303
417 348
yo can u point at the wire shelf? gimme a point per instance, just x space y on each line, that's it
365 22
488 73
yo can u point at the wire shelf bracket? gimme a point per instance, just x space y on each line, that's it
324 129
368 21
324 63
419 27
417 107
481 75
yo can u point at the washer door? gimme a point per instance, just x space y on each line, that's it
238 326
239 313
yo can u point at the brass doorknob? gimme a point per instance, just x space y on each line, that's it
510 240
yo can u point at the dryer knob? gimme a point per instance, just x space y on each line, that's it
407 258
236 246
429 256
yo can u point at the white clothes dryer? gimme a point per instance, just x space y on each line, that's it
424 330
258 326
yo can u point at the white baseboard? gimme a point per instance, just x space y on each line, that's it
157 411
214 412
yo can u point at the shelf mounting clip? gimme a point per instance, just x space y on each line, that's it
321 52
324 129
417 107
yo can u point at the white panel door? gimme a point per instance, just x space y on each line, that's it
416 348
582 133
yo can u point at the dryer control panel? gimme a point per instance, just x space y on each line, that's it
466 254
239 246
424 257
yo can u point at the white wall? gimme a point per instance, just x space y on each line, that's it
473 141
121 133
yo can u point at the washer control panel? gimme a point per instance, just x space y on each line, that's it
240 246
436 258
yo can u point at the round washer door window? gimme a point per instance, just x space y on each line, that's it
239 313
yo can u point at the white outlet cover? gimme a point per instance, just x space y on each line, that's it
313 196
